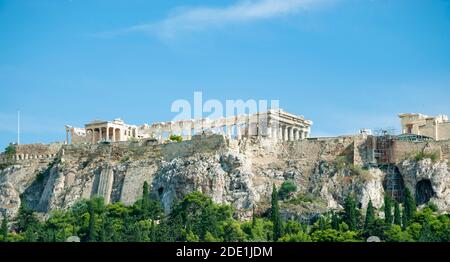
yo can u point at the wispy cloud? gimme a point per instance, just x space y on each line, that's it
188 19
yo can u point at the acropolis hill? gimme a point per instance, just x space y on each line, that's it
234 161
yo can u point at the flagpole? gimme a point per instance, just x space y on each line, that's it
18 127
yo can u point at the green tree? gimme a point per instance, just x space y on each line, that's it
31 235
26 219
370 216
427 234
397 214
197 213
404 220
351 213
395 234
4 228
145 200
409 207
297 237
92 234
260 231
275 215
232 232
387 210
10 151
292 227
286 189
253 217
334 221
331 235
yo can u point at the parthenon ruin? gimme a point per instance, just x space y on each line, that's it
275 124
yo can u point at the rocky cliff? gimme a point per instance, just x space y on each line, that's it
240 173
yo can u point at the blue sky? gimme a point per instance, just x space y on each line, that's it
345 64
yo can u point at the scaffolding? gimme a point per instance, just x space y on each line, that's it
393 182
382 151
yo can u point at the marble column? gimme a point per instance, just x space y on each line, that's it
269 131
67 137
229 130
291 134
274 132
93 135
188 134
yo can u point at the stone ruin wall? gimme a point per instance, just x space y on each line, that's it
356 149
404 150
33 151
118 170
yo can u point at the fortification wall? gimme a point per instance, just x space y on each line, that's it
444 131
404 149
33 151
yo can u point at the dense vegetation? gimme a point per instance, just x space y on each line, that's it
196 218
10 151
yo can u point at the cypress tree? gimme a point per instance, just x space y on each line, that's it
152 234
103 233
322 223
145 191
370 216
404 219
409 208
145 200
275 215
350 213
253 218
397 215
91 230
4 228
387 210
334 221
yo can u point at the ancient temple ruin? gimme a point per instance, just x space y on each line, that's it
275 124
437 127
97 131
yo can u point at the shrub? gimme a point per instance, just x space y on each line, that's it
176 138
432 206
10 151
423 155
124 159
286 189
298 237
357 170
301 199
340 162
40 176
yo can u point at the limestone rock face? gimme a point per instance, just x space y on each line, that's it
334 185
223 177
437 175
240 173
9 200
15 180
